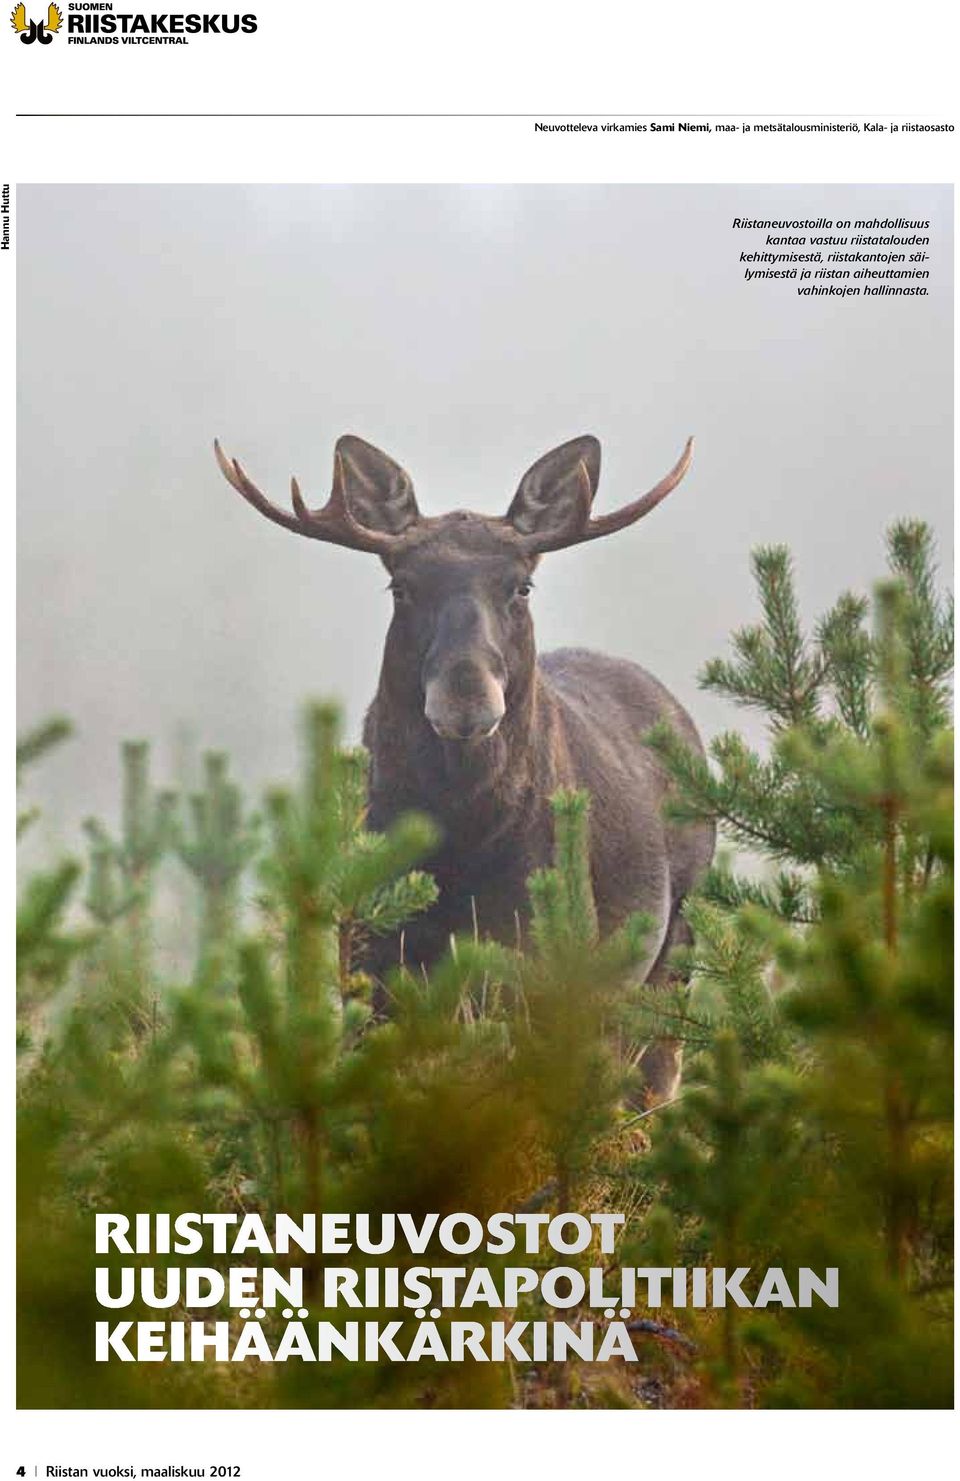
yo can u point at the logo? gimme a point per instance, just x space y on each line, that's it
42 31
96 23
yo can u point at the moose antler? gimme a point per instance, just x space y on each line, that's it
333 523
607 524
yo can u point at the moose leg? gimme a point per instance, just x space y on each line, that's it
377 957
660 1062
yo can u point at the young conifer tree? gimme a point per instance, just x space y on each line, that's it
46 947
217 847
832 981
568 1003
121 882
258 1098
283 1047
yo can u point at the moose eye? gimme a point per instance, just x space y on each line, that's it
523 589
401 592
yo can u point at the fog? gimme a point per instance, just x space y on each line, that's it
465 330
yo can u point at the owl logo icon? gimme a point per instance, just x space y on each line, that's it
31 31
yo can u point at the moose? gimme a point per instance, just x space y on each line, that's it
472 727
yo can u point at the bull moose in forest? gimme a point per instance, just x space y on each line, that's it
470 726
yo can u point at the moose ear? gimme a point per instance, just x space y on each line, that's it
378 491
554 497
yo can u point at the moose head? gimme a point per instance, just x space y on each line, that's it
460 645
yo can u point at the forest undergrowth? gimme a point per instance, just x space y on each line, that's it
813 1127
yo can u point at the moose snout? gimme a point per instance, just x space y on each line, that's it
465 701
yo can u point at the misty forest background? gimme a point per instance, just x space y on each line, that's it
813 1126
465 330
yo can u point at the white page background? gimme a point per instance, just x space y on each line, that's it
823 60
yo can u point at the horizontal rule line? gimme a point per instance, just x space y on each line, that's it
453 115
